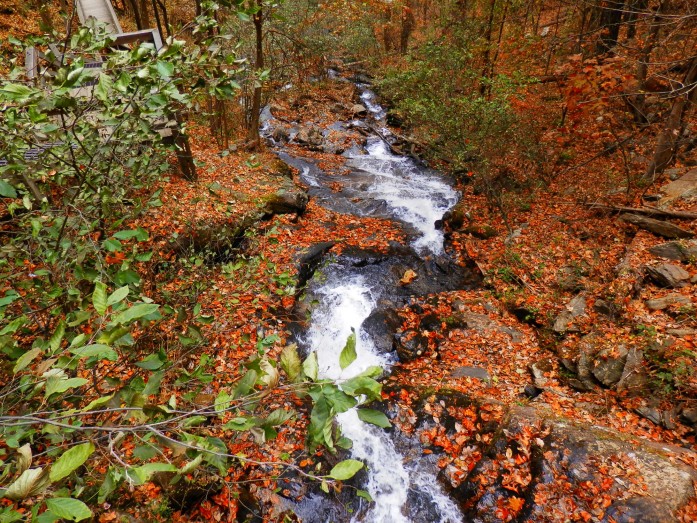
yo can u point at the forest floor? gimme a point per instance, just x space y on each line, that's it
551 247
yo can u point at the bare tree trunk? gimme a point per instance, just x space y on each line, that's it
136 14
667 142
637 102
408 23
253 131
486 56
144 14
635 7
610 22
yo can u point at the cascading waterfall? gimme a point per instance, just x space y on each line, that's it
346 299
412 194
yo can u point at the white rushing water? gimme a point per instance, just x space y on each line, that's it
418 198
344 303
412 195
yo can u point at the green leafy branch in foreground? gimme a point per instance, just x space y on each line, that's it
162 426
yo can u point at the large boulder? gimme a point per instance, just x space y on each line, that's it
683 251
668 275
541 468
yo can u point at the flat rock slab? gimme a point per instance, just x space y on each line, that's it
557 469
471 372
668 275
683 251
658 304
684 187
658 227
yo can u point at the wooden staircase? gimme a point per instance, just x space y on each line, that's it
38 64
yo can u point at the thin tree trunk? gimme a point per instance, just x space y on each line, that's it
667 142
610 22
144 14
486 56
253 131
638 101
136 14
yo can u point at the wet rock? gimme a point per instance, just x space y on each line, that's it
481 231
678 251
662 418
454 218
381 326
668 275
634 377
680 333
569 279
290 199
280 134
608 365
359 110
606 308
430 322
689 416
561 457
410 345
666 301
395 118
310 259
530 391
574 309
471 372
526 315
311 136
540 371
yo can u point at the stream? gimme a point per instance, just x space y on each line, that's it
385 185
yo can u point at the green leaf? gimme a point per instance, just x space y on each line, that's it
194 421
278 417
222 402
374 417
97 350
165 69
97 403
99 298
364 494
55 341
320 419
246 384
117 296
102 91
362 385
338 399
345 469
6 190
143 473
58 385
152 362
290 362
16 92
140 234
112 245
29 483
348 354
311 366
69 508
70 460
153 384
136 312
240 424
25 359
